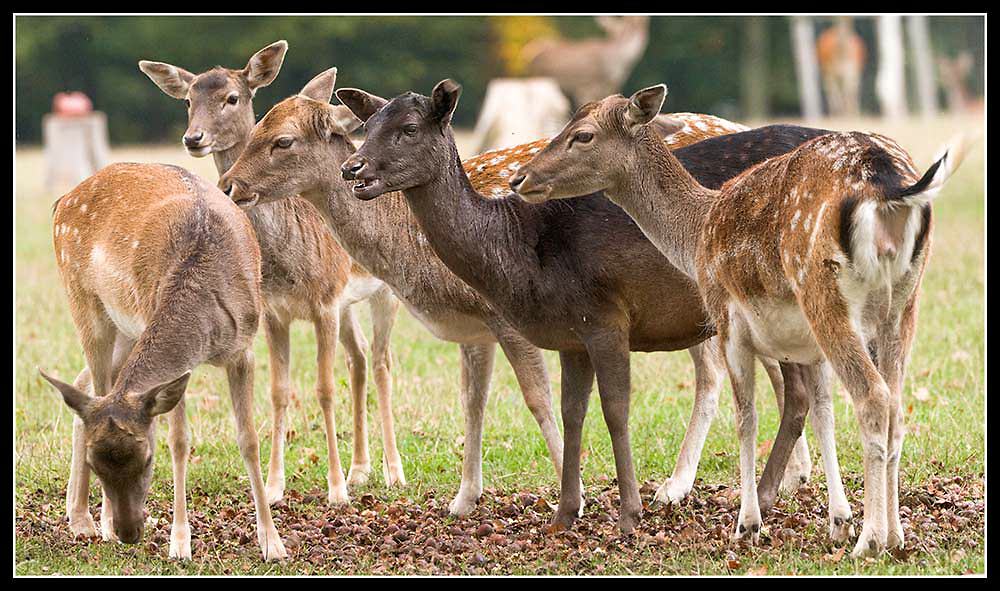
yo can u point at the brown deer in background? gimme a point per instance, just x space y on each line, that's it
306 275
813 257
841 55
590 69
162 273
954 74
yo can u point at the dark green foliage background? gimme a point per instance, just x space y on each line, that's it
698 57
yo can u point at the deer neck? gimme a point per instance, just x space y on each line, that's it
483 241
666 202
225 159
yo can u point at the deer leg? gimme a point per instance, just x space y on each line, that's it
610 356
326 322
817 381
533 378
180 448
81 523
577 383
477 369
384 306
793 419
276 332
240 375
353 339
740 363
97 335
831 324
895 338
708 378
799 466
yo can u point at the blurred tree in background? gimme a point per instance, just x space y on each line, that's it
702 59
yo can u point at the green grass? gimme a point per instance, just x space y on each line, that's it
944 400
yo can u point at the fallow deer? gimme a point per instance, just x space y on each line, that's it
579 278
841 54
162 274
306 275
813 257
386 238
590 69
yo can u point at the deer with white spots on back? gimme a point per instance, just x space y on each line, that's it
812 257
162 273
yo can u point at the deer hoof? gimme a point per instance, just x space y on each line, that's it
672 492
358 474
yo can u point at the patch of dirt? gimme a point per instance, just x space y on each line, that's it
508 530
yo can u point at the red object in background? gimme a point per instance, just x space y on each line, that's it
72 104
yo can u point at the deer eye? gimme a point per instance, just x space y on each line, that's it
583 137
410 129
233 99
187 103
284 142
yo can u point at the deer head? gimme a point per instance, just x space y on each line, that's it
293 146
407 138
220 110
586 156
119 435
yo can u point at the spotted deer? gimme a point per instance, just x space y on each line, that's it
162 274
814 258
306 275
386 238
579 278
491 171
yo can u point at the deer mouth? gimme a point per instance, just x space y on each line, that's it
366 189
247 201
535 195
199 151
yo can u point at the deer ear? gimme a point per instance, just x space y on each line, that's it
361 103
172 80
75 399
445 96
264 65
164 398
645 105
344 120
666 125
320 88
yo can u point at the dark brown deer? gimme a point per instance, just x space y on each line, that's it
306 275
813 257
162 274
577 277
386 238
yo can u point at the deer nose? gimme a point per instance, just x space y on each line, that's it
516 181
194 139
130 534
350 170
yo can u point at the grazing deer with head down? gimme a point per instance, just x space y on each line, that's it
811 257
306 275
590 69
578 278
162 274
385 237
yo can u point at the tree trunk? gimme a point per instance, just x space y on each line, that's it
890 82
806 67
923 64
755 72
